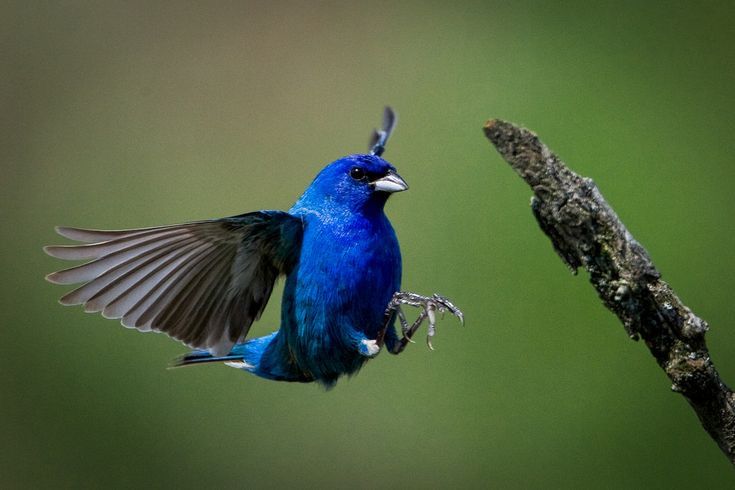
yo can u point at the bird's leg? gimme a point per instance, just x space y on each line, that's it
429 306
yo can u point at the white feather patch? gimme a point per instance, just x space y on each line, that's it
239 365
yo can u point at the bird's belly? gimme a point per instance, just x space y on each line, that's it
334 302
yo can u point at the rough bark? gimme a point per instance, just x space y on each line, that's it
586 232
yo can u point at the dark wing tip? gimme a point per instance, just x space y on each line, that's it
374 138
379 139
390 118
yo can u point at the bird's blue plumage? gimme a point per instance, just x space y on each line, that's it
348 268
205 282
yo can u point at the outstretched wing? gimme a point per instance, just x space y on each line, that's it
203 283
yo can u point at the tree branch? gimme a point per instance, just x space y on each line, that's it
586 232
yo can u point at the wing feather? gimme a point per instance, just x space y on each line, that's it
140 266
191 317
100 265
96 236
172 296
136 286
126 243
203 283
169 285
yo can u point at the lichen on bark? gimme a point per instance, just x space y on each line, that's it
586 232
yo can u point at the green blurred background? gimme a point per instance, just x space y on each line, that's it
129 114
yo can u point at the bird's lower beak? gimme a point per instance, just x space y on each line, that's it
390 183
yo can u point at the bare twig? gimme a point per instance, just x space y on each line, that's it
586 232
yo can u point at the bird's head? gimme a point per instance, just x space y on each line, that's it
357 182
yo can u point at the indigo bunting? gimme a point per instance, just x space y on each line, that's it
205 282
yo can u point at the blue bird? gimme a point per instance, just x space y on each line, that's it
204 283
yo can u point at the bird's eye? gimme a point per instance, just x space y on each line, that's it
357 173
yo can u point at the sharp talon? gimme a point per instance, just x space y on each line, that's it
429 306
431 313
431 331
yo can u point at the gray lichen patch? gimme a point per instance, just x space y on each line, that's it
586 232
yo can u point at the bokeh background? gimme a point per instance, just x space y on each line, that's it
129 114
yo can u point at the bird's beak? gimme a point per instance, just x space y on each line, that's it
390 183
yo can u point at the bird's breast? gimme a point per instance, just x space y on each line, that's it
344 279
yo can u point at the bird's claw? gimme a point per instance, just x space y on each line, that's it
405 327
429 306
431 331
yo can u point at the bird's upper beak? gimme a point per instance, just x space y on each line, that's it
390 183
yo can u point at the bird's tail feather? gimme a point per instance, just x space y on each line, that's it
245 355
203 357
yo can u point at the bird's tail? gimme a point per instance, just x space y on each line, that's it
203 357
250 357
245 355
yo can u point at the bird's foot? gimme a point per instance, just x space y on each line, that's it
368 348
429 305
